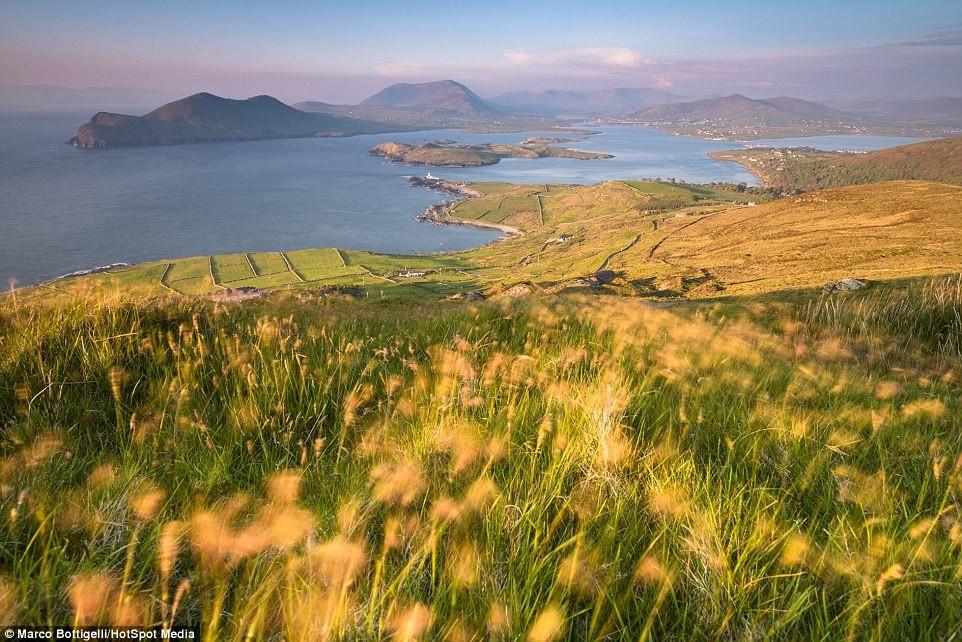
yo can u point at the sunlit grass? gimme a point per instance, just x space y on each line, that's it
559 469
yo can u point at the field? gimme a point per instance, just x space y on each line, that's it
541 468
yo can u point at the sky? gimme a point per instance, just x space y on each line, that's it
345 51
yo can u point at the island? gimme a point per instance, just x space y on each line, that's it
444 154
206 118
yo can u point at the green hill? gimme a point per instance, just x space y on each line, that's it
806 169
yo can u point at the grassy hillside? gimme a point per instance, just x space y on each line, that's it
566 469
805 169
640 238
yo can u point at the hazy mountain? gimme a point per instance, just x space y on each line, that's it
315 106
601 101
442 95
942 111
204 118
736 107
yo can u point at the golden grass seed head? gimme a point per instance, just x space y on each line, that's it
147 502
480 495
925 409
412 623
10 605
102 476
337 562
117 378
284 487
667 500
401 483
458 631
168 548
499 619
580 572
40 451
795 551
464 565
350 516
129 610
89 596
283 526
445 510
885 390
892 573
548 626
651 572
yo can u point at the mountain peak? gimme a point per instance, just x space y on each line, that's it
440 95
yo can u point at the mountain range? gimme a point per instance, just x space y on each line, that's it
204 117
555 101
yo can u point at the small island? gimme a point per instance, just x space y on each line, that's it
444 154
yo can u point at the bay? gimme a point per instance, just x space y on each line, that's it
64 209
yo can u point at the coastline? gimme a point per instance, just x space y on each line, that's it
436 214
754 172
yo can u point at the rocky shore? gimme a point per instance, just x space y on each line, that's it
437 214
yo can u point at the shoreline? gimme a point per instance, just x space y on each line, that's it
763 180
436 214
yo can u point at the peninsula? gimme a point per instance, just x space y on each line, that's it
445 154
803 169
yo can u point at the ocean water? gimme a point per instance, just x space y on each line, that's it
64 209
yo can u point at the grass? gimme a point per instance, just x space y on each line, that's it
555 468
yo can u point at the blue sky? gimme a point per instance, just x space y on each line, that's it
344 51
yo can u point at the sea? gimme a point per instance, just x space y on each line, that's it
64 209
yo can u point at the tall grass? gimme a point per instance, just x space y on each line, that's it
562 469
927 314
